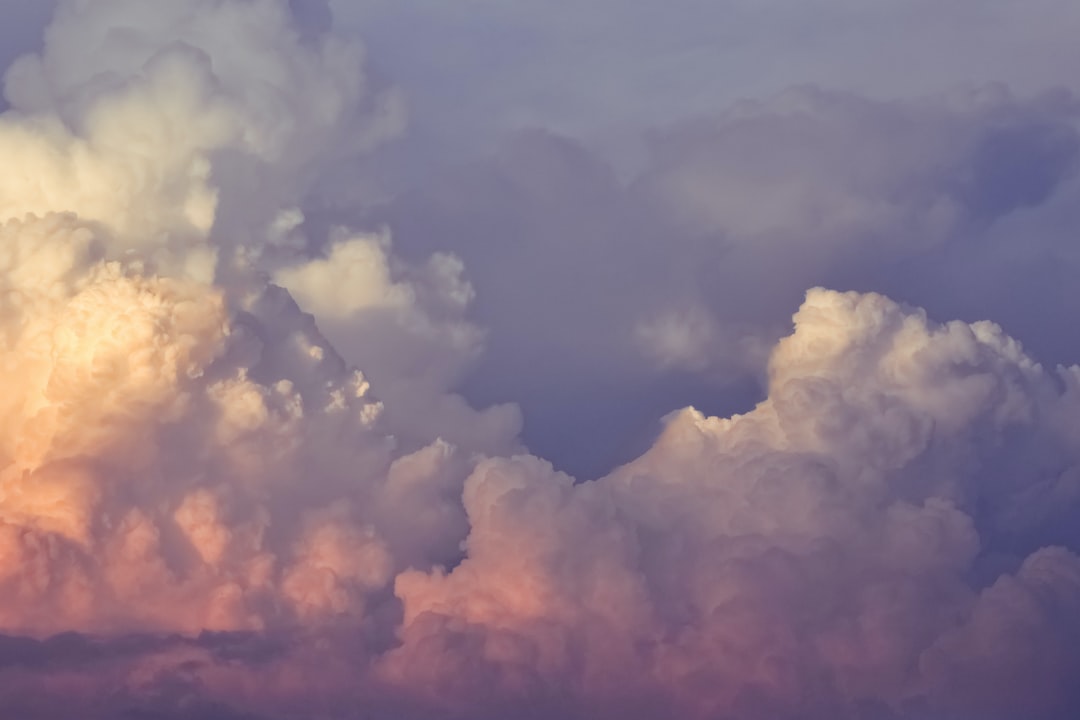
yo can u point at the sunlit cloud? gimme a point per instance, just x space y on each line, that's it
260 455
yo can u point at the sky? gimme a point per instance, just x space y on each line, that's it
476 360
606 70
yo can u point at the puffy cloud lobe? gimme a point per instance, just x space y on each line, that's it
164 125
406 327
179 455
158 426
811 558
149 481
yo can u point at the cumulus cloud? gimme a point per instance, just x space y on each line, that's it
154 448
677 280
407 327
240 478
182 448
166 124
828 554
814 557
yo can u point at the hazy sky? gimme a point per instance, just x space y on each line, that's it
478 360
477 67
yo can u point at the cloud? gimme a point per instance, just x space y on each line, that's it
167 126
426 343
677 280
24 22
164 398
811 558
241 470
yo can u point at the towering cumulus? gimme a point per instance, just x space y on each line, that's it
183 450
216 505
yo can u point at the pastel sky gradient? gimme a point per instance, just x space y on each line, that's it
478 360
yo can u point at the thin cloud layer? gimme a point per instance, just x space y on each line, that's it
610 68
239 477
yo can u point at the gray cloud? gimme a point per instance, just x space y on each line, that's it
24 22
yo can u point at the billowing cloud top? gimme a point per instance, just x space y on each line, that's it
243 472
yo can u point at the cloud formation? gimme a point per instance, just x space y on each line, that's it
240 478
183 449
677 280
818 556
